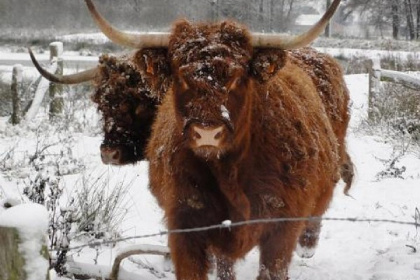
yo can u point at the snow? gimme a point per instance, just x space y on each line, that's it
147 249
32 222
346 251
227 223
225 112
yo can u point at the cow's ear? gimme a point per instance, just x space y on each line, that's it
234 34
154 61
266 63
182 27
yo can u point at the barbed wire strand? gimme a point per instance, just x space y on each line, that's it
227 225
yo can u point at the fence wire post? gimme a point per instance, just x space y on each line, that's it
56 90
23 243
16 89
374 86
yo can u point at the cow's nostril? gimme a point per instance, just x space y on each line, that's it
196 135
116 155
218 135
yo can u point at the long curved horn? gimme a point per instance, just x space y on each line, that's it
294 42
81 77
136 41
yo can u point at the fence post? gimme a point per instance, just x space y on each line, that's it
374 86
16 89
24 253
56 98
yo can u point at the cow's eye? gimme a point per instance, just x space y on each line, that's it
184 97
182 84
234 84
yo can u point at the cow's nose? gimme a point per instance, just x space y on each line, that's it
207 136
110 156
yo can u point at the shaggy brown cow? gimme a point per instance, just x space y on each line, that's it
127 90
229 144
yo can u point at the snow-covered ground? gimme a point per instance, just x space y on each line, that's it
347 250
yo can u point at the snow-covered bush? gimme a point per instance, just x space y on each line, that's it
397 115
398 112
98 208
359 64
79 112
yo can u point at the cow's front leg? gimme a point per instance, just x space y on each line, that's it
309 239
189 256
276 250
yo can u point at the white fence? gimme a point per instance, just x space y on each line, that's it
377 74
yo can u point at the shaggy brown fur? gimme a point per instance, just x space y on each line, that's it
127 92
327 75
279 154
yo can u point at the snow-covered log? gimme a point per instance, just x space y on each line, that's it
136 250
401 78
24 253
83 270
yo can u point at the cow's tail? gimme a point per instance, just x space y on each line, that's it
347 173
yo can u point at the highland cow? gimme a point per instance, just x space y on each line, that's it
127 90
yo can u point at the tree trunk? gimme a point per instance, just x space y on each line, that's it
395 19
261 14
16 93
272 23
418 19
328 28
410 20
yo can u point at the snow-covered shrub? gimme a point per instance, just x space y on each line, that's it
79 112
99 210
93 212
398 113
359 64
397 63
392 170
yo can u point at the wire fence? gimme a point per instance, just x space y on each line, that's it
228 224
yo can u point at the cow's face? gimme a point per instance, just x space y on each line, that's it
127 93
127 133
211 85
214 81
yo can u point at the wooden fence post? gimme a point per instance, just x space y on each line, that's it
24 253
374 86
56 98
16 89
